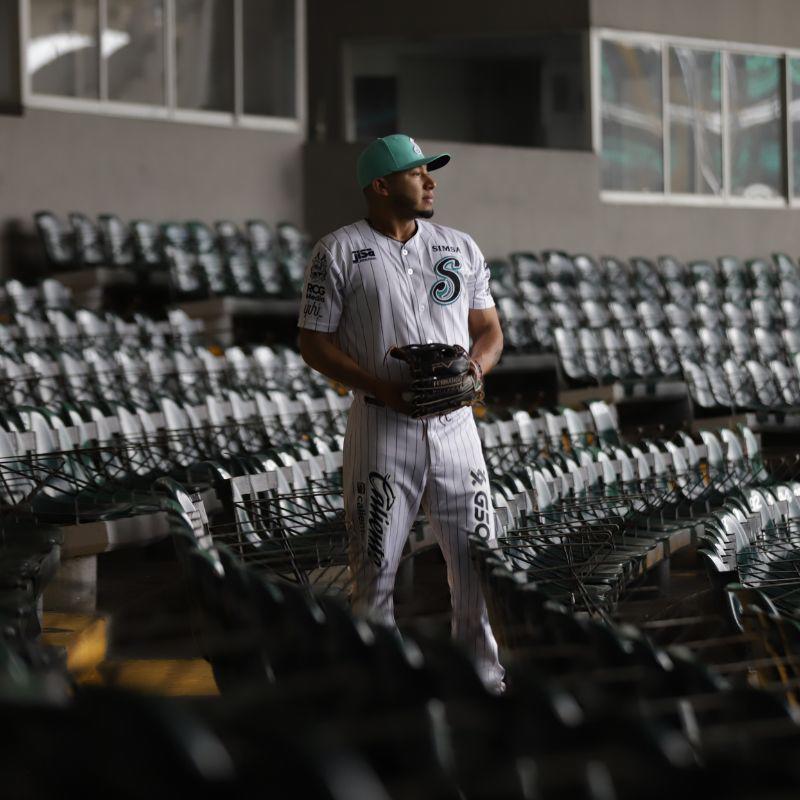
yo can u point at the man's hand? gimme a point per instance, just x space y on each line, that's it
390 393
320 351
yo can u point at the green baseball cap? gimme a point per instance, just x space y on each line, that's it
394 153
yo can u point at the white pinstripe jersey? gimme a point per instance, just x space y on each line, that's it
376 292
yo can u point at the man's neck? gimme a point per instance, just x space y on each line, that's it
393 227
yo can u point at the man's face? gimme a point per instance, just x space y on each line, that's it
411 192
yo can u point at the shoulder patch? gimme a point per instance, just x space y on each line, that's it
319 267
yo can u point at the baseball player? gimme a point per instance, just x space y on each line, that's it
394 279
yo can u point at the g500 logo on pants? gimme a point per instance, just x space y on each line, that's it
447 289
481 508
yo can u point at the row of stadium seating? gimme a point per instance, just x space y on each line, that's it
595 710
556 278
228 260
367 716
573 534
51 350
732 331
90 458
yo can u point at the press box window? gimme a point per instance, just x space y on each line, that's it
722 131
508 91
230 60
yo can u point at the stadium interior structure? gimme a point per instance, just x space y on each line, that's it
173 572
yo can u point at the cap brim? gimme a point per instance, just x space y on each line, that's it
432 162
437 161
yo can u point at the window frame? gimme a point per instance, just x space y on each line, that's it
170 111
726 49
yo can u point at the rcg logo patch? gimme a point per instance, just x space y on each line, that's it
447 289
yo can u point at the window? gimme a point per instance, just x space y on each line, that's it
62 49
204 54
133 47
524 91
632 122
269 57
793 67
756 138
376 100
221 61
695 121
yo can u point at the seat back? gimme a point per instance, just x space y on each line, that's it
528 267
209 259
88 244
293 251
147 243
58 241
117 240
237 258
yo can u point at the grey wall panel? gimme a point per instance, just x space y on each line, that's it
769 22
517 199
160 170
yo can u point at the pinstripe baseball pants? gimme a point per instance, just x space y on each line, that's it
393 465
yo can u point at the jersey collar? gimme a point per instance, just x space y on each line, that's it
416 233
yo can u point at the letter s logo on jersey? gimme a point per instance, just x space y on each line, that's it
447 289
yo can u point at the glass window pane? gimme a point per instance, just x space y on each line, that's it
269 52
695 121
204 54
794 116
133 44
632 135
375 99
62 48
754 88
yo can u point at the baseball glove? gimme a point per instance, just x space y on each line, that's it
443 378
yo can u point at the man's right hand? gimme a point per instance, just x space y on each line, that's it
390 393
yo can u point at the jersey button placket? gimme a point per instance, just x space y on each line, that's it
419 305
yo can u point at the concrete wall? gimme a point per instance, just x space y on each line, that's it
768 22
519 199
137 168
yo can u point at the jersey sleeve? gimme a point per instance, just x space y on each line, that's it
479 294
321 302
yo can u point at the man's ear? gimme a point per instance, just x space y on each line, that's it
381 187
